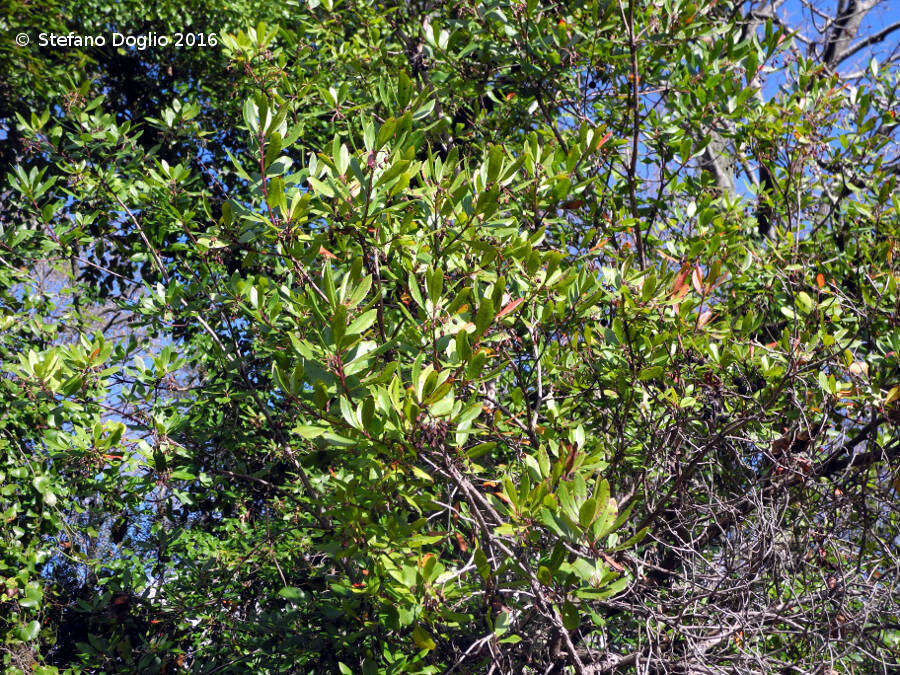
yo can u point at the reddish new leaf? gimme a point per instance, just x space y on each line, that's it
697 279
680 287
510 307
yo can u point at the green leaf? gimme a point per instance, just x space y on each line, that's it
347 413
495 163
321 188
444 406
339 324
414 290
359 293
587 512
275 195
385 132
422 639
435 279
42 484
309 432
482 448
33 597
805 302
481 564
484 316
115 435
362 322
570 617
292 593
27 632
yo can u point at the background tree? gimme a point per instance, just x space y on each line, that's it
438 337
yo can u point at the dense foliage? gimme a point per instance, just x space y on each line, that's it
448 337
